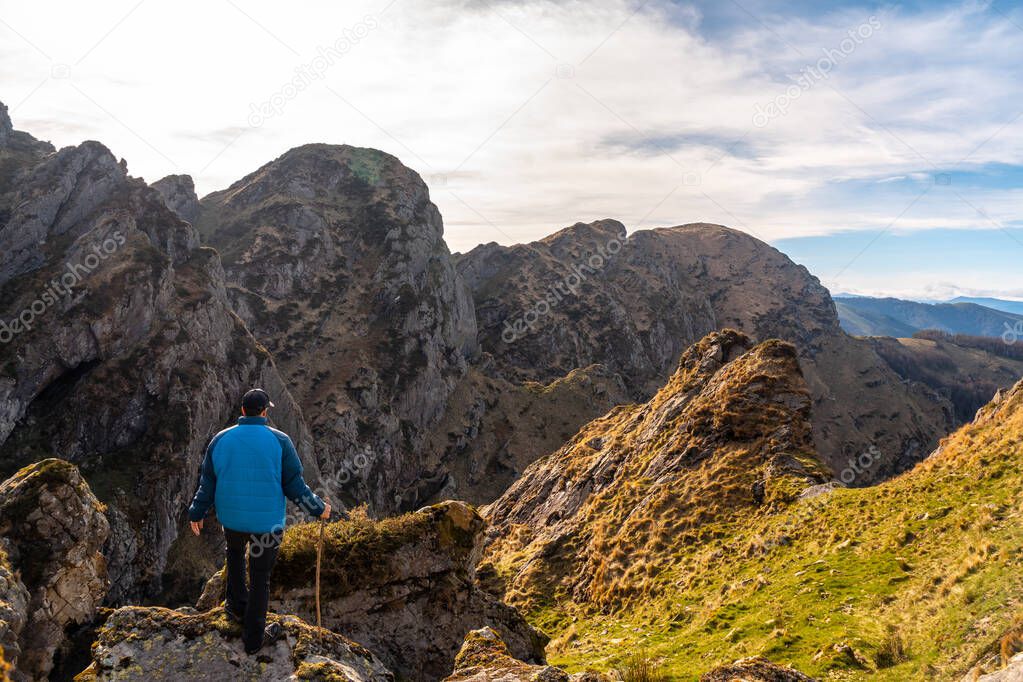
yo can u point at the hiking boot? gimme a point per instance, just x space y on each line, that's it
271 634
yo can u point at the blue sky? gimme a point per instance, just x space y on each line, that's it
814 126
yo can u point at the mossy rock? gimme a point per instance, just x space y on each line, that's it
360 551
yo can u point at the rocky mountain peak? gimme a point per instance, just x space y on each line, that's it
587 237
545 308
335 258
731 427
120 350
178 191
326 174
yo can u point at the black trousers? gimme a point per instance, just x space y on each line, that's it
250 603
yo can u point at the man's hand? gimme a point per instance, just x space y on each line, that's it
326 510
196 527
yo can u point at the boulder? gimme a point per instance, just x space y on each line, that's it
1011 672
484 657
754 670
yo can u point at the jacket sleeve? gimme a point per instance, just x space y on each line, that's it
295 488
206 493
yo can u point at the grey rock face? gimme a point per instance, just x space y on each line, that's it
157 644
120 350
178 191
589 295
336 261
55 528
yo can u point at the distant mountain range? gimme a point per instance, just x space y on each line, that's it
1015 307
864 316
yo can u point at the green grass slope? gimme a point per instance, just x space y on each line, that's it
919 578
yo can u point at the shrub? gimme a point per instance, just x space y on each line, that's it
892 650
639 667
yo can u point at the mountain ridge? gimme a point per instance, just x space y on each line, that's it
864 316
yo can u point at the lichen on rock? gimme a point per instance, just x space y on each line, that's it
157 644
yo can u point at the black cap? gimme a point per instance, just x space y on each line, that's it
255 401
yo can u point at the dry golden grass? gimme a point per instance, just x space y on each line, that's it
639 667
728 433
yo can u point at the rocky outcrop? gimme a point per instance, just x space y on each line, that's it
404 587
119 350
178 192
155 644
17 151
588 294
754 670
485 657
731 429
54 528
337 262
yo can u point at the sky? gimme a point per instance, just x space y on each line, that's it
879 144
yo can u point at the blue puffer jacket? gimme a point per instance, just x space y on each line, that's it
247 472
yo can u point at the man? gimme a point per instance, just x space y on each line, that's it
248 471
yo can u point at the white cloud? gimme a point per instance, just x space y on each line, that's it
507 109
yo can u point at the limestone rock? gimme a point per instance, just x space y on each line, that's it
754 670
14 142
178 192
55 528
404 587
157 644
